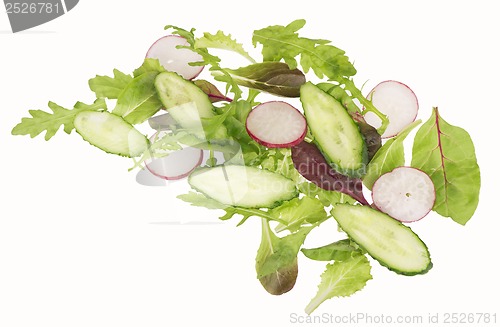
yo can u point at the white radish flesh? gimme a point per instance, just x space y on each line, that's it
174 59
397 101
177 164
276 124
407 194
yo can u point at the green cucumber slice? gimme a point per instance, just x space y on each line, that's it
110 133
387 240
335 132
243 186
184 101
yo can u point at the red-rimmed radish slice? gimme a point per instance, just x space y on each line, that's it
177 164
397 101
407 194
276 124
174 59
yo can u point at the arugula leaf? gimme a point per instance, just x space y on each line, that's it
297 212
272 77
139 100
446 153
109 87
221 41
342 278
339 251
276 261
51 122
388 157
283 42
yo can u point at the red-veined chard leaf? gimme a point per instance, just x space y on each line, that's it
446 153
211 90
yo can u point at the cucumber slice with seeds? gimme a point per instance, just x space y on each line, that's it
184 101
387 240
335 132
110 133
243 186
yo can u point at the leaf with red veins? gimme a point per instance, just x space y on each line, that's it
212 91
446 153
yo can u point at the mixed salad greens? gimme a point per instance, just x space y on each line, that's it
293 168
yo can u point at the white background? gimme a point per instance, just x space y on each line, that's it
82 244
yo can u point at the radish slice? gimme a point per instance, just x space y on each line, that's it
177 164
397 101
407 194
276 124
174 59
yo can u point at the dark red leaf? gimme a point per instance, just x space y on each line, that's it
310 163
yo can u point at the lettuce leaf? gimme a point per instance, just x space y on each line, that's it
342 278
222 41
297 212
339 251
149 65
276 261
139 100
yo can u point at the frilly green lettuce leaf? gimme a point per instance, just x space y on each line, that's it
342 278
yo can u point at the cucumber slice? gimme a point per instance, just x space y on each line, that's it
184 101
243 186
335 132
110 133
387 240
